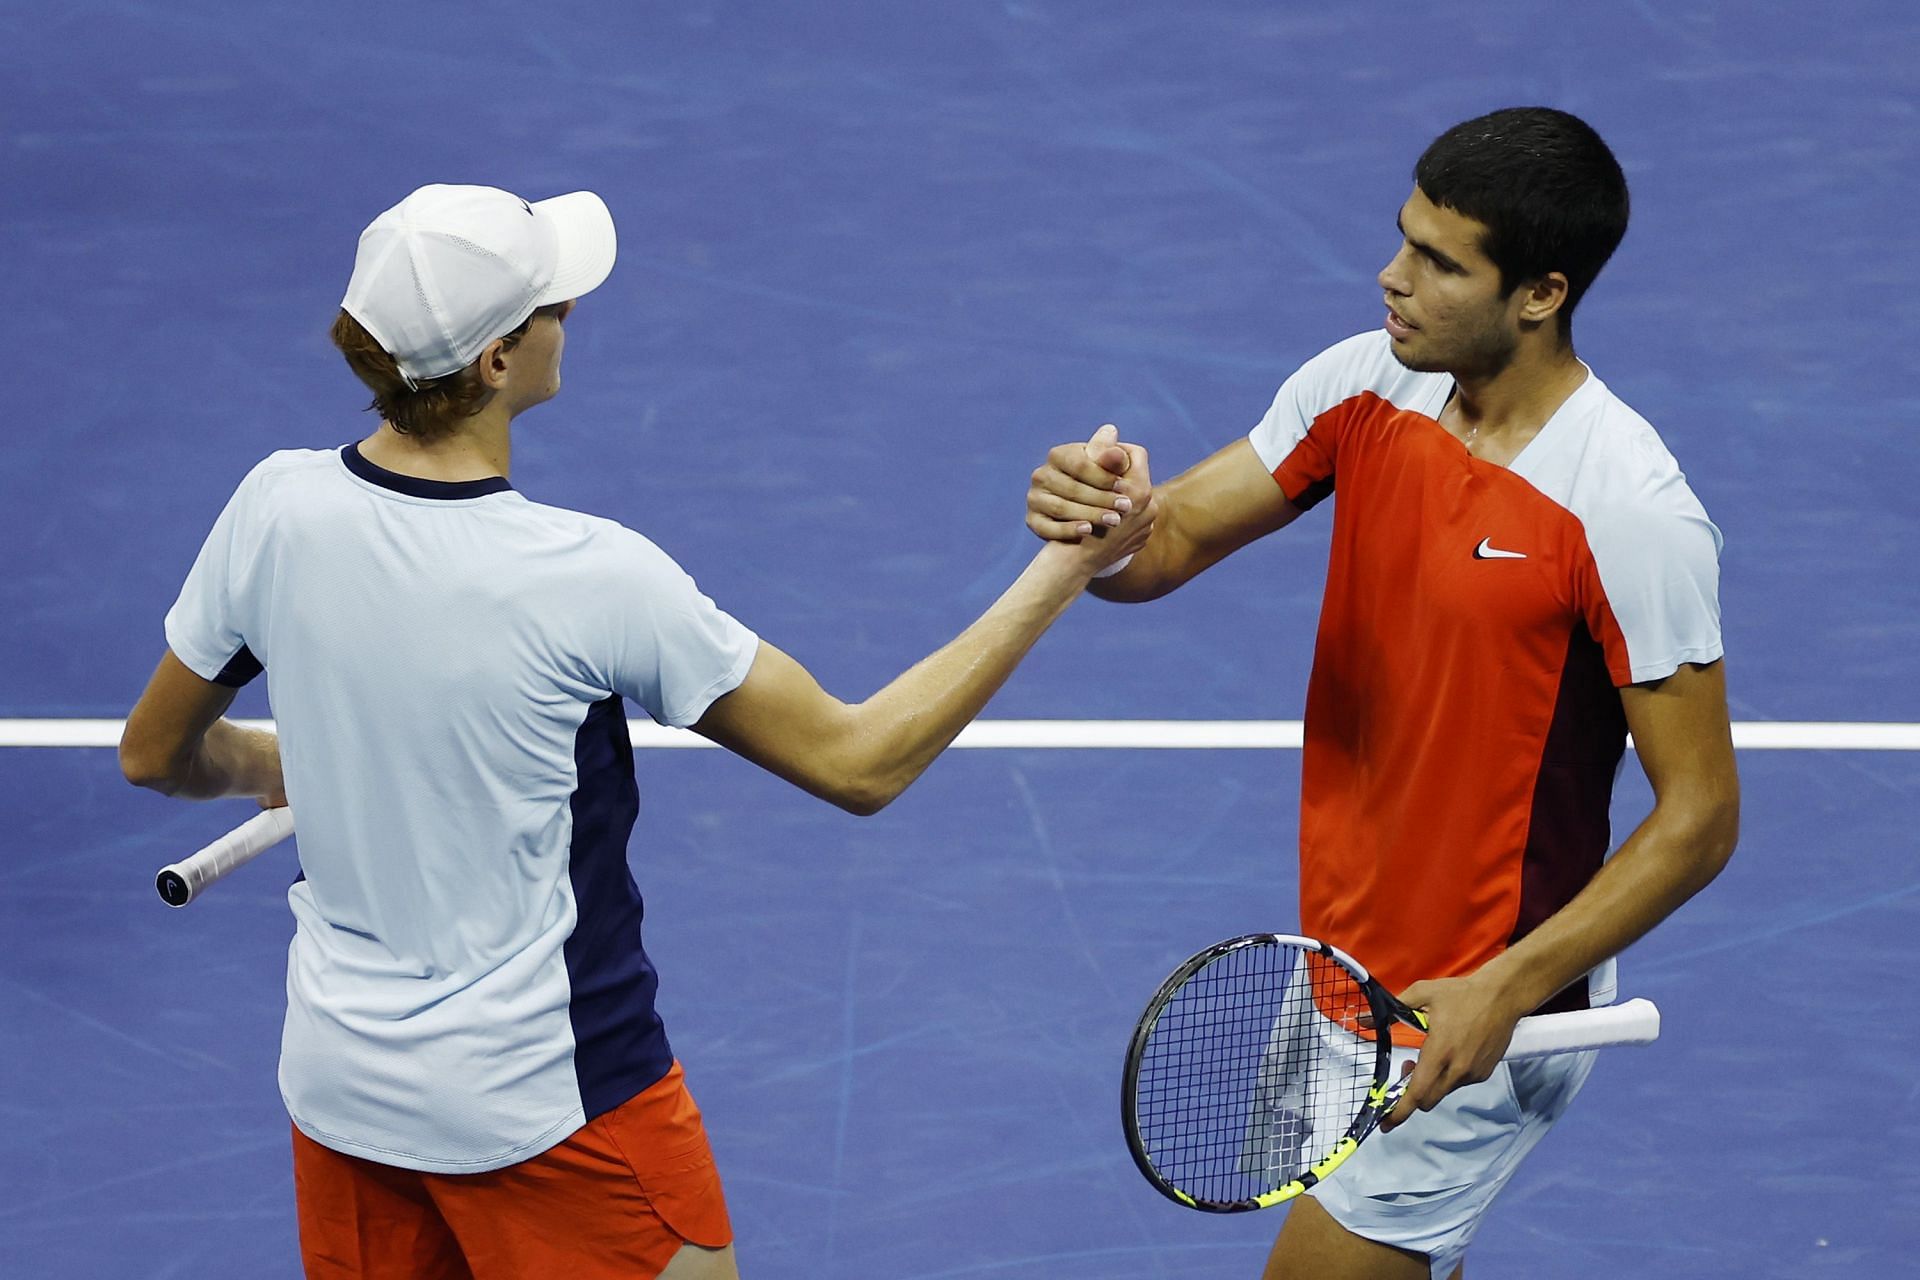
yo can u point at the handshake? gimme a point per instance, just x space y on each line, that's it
1096 498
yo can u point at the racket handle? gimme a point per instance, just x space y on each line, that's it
180 882
1635 1022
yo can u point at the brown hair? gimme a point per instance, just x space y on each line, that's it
433 410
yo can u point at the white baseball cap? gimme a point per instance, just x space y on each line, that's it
449 269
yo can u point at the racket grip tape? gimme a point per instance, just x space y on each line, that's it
180 882
1633 1022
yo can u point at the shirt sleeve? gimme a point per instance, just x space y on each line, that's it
1658 570
207 625
1298 440
673 650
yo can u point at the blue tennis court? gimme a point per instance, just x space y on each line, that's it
875 259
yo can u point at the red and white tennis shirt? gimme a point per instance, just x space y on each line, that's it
1463 725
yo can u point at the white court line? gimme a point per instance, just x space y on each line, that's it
1748 735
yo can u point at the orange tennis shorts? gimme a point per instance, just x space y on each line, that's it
617 1199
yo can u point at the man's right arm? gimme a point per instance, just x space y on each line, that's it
1202 516
861 755
176 743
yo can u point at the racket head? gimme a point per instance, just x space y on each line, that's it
1255 1071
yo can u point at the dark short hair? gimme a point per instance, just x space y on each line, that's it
435 408
1546 186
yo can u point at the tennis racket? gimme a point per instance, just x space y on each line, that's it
1263 1062
180 882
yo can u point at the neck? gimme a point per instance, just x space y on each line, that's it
1517 401
481 448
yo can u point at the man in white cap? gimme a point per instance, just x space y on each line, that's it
478 1081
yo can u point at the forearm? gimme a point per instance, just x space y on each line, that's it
890 739
1148 576
1674 854
228 760
1175 553
1202 516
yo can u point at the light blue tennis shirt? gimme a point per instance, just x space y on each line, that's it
446 662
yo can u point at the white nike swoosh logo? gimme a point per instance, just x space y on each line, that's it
1487 551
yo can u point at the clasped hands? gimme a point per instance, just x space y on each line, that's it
1085 490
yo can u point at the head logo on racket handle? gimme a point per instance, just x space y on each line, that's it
181 882
1263 1062
173 888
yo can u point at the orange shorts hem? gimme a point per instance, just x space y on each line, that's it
617 1199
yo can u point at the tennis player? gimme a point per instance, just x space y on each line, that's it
1519 576
479 1083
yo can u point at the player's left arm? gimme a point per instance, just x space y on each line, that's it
1683 737
176 743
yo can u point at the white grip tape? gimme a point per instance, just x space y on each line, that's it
1635 1022
180 882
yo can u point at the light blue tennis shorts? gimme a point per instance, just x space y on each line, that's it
1426 1185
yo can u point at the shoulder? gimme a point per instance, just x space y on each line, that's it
275 479
1358 366
599 532
1638 516
1626 471
595 543
282 461
284 466
1366 363
1654 551
1367 356
1357 374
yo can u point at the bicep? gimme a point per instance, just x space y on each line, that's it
172 716
1218 506
779 718
1683 737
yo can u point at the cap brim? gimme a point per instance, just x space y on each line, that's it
583 231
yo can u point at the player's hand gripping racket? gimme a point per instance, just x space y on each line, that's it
181 882
1257 1068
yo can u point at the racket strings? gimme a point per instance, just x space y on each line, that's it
1252 1073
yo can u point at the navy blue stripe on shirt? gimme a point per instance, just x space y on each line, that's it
620 1046
1569 829
240 670
414 486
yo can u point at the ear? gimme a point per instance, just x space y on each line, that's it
492 365
1542 300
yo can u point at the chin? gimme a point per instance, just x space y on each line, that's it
1412 360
